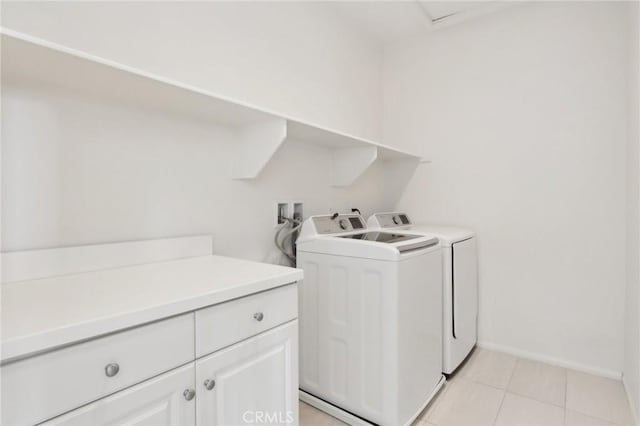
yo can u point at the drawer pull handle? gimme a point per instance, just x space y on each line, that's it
209 384
189 394
258 316
111 369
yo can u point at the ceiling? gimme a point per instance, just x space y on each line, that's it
394 20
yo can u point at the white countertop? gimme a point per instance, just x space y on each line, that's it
50 312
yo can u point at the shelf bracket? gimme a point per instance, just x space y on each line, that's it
397 175
350 163
258 143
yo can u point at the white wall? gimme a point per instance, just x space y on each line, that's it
77 169
298 59
632 299
523 113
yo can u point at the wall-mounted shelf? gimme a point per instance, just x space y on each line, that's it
27 60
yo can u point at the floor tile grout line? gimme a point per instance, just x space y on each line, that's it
513 373
495 419
468 378
609 421
508 390
438 400
458 375
477 382
534 399
564 407
594 417
504 395
439 397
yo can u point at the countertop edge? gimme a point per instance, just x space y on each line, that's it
34 344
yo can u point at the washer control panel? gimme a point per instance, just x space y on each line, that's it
392 220
338 223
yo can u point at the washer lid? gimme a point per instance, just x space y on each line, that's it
340 235
370 245
381 237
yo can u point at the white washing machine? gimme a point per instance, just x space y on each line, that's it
460 283
370 320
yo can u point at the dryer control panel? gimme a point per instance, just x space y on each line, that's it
391 220
338 223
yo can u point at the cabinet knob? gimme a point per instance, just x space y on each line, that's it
111 369
189 394
258 316
209 384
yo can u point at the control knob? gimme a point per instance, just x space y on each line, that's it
344 224
397 220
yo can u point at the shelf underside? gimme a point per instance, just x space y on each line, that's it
29 62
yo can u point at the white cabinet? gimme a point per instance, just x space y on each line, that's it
244 317
157 402
151 374
252 382
53 383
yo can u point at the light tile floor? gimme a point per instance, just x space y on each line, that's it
492 388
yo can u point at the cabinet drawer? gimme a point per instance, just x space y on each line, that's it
159 402
224 324
38 388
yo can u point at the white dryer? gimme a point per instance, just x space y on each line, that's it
460 283
370 320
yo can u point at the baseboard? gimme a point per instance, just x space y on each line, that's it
634 409
597 371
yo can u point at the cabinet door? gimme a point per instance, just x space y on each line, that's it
156 402
251 382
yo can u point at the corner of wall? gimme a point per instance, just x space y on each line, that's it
631 375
